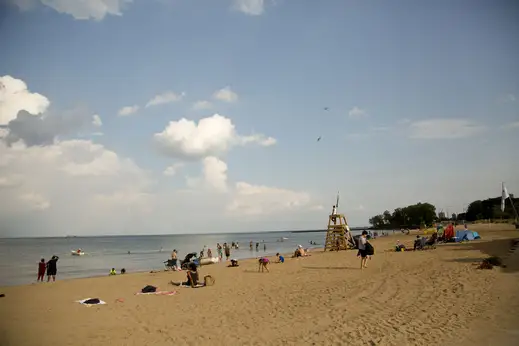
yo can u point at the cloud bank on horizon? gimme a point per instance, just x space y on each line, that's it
142 132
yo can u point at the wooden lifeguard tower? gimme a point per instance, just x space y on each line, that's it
338 236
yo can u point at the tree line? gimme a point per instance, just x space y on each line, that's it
424 214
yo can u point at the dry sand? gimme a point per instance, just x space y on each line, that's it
434 297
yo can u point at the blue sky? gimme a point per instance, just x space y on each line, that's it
423 105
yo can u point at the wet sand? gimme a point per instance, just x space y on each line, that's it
411 298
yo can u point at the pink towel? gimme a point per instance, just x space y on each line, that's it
161 293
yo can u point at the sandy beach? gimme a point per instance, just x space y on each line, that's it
411 298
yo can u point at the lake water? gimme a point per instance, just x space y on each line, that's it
19 257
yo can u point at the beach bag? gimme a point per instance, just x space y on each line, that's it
92 301
149 289
370 250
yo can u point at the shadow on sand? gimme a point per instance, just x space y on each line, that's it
340 268
498 247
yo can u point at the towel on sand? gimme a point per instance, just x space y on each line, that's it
161 293
82 301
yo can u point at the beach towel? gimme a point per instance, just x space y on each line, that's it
160 293
89 301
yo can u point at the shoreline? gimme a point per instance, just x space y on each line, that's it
390 235
302 301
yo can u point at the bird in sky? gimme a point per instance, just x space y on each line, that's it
318 139
326 108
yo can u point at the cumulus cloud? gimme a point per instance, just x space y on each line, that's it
250 7
42 130
202 105
45 129
15 97
173 169
164 98
444 129
85 187
79 9
212 136
357 113
73 186
128 110
256 200
96 121
225 95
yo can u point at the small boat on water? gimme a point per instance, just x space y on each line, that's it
77 252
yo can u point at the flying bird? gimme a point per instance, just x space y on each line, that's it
318 139
326 108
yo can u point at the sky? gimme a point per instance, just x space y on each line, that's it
200 116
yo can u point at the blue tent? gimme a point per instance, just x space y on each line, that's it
464 235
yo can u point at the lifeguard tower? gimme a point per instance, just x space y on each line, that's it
338 236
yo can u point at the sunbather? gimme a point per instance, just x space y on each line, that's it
192 276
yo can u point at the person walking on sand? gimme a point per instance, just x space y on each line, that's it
52 268
362 250
41 270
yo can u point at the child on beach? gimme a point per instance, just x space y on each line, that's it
263 263
113 272
41 270
281 259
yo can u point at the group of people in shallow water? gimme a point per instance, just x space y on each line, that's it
50 267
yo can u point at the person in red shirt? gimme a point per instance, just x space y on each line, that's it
41 270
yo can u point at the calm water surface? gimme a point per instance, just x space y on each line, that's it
19 257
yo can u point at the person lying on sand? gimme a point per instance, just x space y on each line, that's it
234 263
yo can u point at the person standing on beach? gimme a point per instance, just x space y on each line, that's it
41 270
257 246
362 249
174 259
227 251
219 250
52 268
250 245
265 247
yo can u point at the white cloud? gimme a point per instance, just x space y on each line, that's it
79 9
125 111
225 95
212 136
259 139
508 98
96 121
34 201
72 187
173 169
164 98
250 7
15 96
357 112
513 125
256 200
202 105
214 175
444 129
